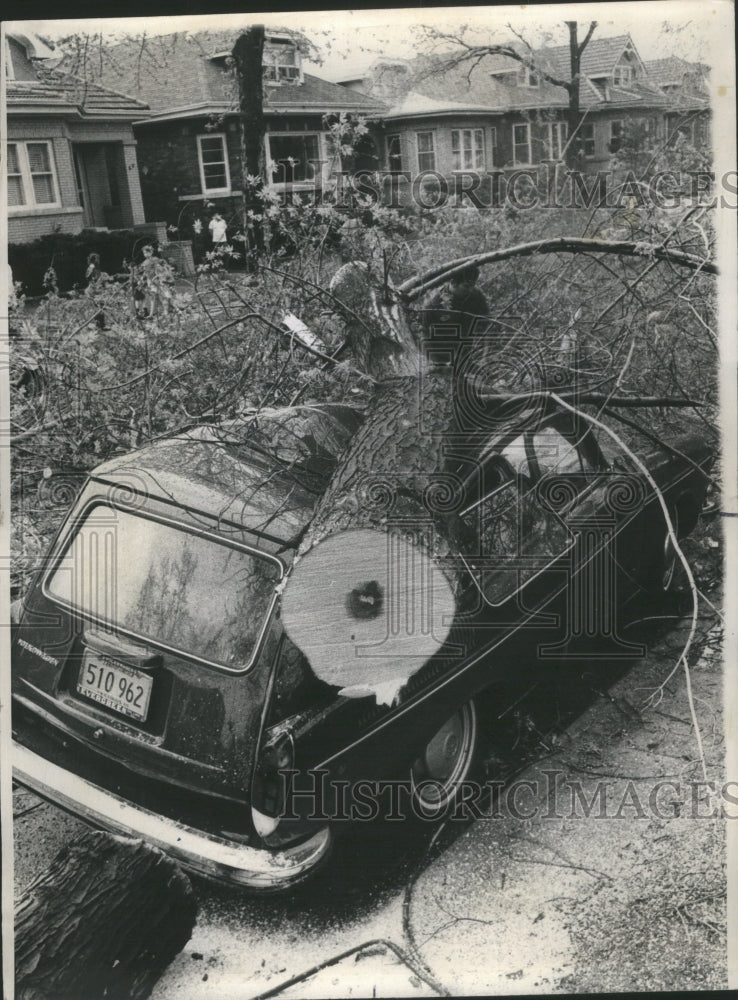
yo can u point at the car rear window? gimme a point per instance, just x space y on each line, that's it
162 582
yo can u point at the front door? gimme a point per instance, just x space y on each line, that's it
83 191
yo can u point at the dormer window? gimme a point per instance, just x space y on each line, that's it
623 75
281 61
527 77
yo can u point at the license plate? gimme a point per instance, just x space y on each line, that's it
116 686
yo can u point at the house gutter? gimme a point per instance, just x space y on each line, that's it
223 108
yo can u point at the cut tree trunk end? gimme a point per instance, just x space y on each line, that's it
376 582
368 608
103 921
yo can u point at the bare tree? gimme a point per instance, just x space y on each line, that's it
467 54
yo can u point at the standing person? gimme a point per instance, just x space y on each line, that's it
93 274
218 230
219 234
156 282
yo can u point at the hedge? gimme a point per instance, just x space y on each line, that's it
69 253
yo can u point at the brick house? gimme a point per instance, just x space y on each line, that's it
500 115
71 151
189 146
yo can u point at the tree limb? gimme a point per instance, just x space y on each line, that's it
414 287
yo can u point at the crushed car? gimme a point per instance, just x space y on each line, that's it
156 692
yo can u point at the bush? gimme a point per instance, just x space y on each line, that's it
68 255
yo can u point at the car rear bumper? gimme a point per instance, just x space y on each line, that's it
197 851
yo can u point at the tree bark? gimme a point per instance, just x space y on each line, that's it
575 59
376 329
104 920
248 56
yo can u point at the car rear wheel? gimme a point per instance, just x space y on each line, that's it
449 758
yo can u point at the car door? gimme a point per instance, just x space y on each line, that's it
554 530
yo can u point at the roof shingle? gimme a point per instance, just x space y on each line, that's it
56 91
183 70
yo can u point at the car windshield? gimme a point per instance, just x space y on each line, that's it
164 583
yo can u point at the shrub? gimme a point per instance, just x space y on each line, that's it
68 254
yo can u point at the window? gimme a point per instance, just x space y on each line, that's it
521 144
587 139
558 133
493 146
685 131
294 156
518 535
426 151
623 75
214 176
31 175
281 61
164 583
616 136
652 133
394 152
467 149
527 77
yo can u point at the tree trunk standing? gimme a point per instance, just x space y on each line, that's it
104 920
573 88
575 60
248 56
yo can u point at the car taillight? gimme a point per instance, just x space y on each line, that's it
277 755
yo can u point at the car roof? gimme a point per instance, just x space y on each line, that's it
263 474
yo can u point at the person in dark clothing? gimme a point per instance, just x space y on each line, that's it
93 275
458 307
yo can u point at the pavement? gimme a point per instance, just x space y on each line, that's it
534 897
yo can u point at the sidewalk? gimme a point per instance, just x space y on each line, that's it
628 902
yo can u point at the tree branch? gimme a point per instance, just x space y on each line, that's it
413 288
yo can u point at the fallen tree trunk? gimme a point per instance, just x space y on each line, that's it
378 578
374 587
104 920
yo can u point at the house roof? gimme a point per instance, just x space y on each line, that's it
672 70
416 105
598 59
54 92
186 72
491 82
496 93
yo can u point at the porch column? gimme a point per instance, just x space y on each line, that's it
131 194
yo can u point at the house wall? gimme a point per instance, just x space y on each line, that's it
27 224
441 128
503 125
170 173
169 167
